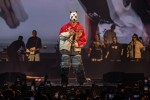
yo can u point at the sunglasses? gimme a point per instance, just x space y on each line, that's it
133 37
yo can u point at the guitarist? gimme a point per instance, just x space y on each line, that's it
33 47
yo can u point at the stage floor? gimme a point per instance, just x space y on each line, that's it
94 70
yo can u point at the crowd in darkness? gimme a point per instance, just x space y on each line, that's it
139 90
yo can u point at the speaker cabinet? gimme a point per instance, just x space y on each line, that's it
132 78
113 77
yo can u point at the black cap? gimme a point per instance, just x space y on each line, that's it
20 37
135 35
113 26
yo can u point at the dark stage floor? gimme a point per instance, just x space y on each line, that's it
95 70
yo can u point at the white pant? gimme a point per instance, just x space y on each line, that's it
35 57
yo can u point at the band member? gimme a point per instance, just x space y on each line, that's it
135 48
115 50
108 35
72 40
33 47
96 49
147 53
12 51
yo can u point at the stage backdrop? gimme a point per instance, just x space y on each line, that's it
45 16
130 16
48 16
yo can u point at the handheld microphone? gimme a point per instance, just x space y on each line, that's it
73 39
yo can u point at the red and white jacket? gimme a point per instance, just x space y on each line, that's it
65 40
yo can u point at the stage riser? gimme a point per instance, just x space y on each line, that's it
92 70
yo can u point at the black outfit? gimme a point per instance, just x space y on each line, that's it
96 51
147 54
13 48
34 42
115 51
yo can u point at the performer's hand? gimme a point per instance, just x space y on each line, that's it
106 57
74 45
71 31
143 49
32 49
78 35
88 54
98 43
77 38
127 55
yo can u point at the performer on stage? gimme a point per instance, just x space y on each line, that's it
135 48
115 50
13 13
108 35
12 51
96 49
34 45
13 48
72 40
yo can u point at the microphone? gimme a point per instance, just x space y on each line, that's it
73 39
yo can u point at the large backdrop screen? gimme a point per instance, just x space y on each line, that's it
20 17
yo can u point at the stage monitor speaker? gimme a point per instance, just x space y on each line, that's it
113 77
132 78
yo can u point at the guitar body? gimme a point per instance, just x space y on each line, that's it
31 51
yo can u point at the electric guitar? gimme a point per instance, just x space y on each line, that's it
31 51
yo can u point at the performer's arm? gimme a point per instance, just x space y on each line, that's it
107 54
142 47
128 49
66 33
82 41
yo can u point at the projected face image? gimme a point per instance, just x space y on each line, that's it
12 12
